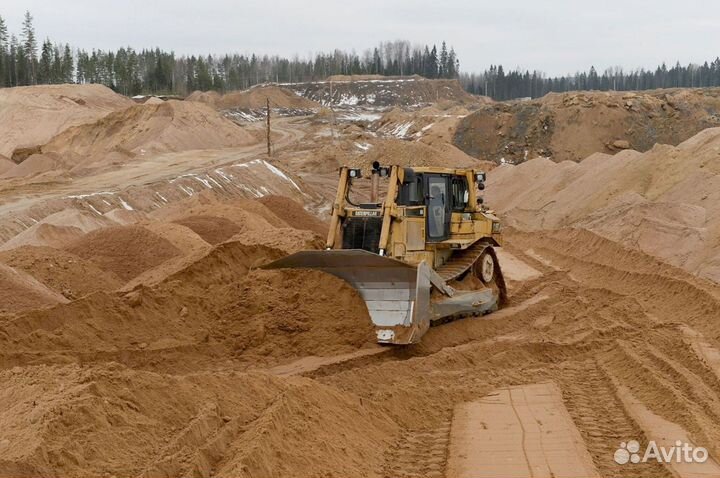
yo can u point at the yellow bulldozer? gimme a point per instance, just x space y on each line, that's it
424 254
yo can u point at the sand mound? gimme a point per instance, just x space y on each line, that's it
153 100
212 229
60 271
58 229
254 98
44 235
148 128
192 248
182 237
209 310
209 97
286 239
663 202
97 421
294 214
5 164
405 153
275 314
257 97
249 214
123 217
572 126
20 291
32 115
125 251
34 164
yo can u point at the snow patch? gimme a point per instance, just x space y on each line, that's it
125 205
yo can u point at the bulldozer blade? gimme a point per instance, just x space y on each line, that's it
397 294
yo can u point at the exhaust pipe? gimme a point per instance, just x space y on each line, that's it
375 183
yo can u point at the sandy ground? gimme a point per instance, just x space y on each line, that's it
139 338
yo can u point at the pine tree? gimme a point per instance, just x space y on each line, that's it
30 48
13 60
443 67
45 66
4 66
67 65
452 64
431 69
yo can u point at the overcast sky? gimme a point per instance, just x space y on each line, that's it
554 36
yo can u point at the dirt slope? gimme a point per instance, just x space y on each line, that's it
294 214
146 129
254 98
663 202
65 273
20 291
388 91
572 126
125 251
30 116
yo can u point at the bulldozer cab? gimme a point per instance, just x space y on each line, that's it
436 205
430 230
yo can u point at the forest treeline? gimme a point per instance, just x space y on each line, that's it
24 61
130 72
501 85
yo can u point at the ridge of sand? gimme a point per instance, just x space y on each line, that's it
138 131
664 202
573 125
32 115
254 98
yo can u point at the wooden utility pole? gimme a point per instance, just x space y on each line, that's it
268 126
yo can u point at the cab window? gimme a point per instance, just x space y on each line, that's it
459 193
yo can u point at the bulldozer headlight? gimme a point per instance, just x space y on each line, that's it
355 173
480 177
384 172
495 227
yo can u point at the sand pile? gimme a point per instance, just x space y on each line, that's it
257 97
209 310
663 202
212 229
60 271
110 420
5 164
270 304
412 153
294 214
58 229
208 97
153 100
571 126
434 124
274 221
125 251
254 98
31 116
285 239
145 129
20 291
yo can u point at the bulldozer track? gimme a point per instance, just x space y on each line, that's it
462 261
419 453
